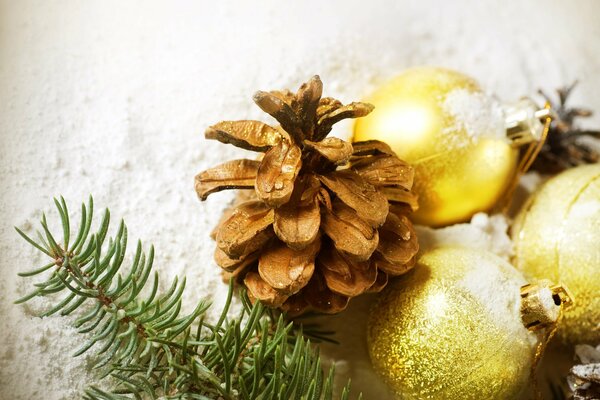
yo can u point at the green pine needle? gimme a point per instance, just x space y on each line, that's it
145 344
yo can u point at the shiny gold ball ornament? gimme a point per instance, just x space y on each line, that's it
455 136
557 236
453 328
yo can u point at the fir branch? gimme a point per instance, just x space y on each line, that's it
146 345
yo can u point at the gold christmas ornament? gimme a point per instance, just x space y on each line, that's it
326 220
454 328
461 142
557 236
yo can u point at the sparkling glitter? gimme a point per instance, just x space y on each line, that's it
431 337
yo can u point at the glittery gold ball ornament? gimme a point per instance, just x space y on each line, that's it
455 135
557 236
452 329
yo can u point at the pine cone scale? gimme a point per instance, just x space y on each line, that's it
350 234
298 224
285 269
352 110
333 149
400 195
280 110
397 240
381 281
321 299
261 290
385 170
246 230
308 98
277 173
232 264
369 204
345 277
249 135
372 148
236 174
391 268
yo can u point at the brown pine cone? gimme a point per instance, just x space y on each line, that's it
584 379
564 147
327 220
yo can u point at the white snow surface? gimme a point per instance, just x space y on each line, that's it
110 98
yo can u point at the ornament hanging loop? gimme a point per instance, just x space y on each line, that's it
542 306
536 138
526 125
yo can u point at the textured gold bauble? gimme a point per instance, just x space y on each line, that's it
557 236
451 329
431 117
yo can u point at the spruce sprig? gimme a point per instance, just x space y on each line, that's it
141 339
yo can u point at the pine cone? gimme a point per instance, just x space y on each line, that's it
564 147
584 379
327 220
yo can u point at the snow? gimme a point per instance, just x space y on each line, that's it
111 98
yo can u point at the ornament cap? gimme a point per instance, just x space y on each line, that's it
542 303
525 121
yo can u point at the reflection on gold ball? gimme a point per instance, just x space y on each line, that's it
451 329
440 121
557 236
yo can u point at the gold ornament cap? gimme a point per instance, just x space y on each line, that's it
524 121
542 303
